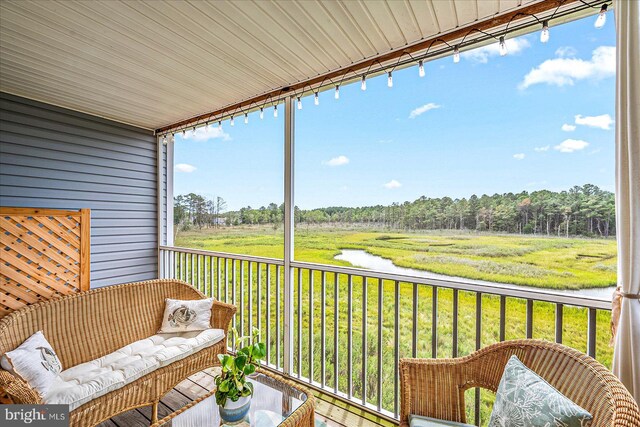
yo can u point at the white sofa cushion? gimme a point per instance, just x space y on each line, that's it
87 381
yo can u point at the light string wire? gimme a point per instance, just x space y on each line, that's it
327 82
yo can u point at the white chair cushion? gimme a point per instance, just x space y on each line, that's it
419 421
87 381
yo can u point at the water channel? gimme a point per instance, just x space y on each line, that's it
363 259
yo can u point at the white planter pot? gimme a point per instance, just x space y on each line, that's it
229 404
235 412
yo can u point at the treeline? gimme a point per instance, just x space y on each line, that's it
581 211
193 210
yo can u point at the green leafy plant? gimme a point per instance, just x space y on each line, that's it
232 381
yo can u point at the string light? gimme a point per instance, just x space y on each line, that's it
544 34
602 17
544 38
503 46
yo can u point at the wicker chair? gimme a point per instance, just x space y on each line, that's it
85 326
435 387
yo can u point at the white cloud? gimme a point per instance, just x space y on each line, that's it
603 121
184 167
392 184
566 52
385 141
571 145
542 149
568 128
337 161
519 156
202 134
566 71
482 54
423 109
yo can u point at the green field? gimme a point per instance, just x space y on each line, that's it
546 262
534 261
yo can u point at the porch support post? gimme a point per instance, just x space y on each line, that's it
169 191
289 206
159 194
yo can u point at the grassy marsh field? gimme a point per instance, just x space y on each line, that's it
546 262
534 261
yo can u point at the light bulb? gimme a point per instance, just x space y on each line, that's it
193 131
602 17
275 111
363 83
503 46
208 127
544 34
261 113
246 118
220 124
184 133
231 121
337 95
164 139
421 68
456 54
299 104
389 80
316 100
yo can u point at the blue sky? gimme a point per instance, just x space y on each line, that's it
540 117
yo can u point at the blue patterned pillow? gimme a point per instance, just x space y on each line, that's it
524 399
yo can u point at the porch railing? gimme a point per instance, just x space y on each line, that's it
351 326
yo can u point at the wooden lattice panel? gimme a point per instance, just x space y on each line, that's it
44 254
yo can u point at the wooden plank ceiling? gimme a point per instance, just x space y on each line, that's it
154 63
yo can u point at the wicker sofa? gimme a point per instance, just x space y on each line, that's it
435 387
89 325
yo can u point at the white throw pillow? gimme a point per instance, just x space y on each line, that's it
184 316
35 362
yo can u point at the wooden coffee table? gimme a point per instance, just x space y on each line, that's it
276 402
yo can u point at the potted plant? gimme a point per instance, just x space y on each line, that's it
233 394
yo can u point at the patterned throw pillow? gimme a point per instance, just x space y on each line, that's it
524 399
35 362
184 316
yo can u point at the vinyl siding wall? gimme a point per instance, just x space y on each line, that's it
52 157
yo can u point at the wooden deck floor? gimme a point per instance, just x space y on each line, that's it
329 411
